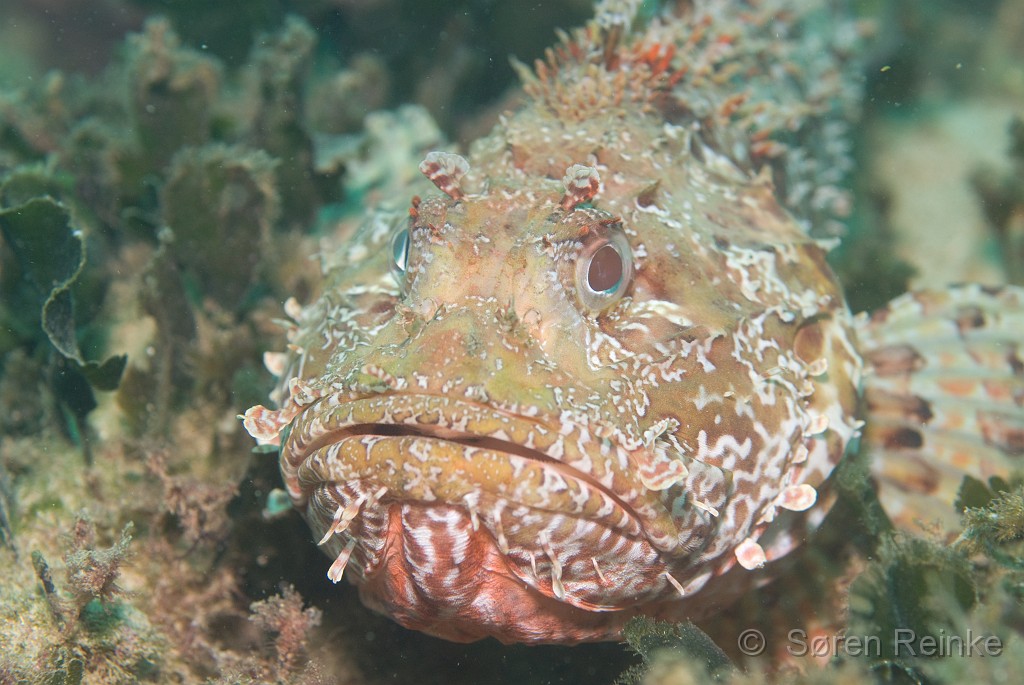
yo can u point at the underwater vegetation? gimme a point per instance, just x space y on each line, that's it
168 170
160 212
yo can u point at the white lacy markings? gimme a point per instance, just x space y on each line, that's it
750 555
581 183
705 507
302 393
333 528
293 309
675 583
668 425
659 465
557 588
818 367
800 454
817 425
445 170
343 517
384 377
794 498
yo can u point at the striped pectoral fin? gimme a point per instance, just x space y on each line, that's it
944 397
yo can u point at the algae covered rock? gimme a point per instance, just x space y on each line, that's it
220 202
172 93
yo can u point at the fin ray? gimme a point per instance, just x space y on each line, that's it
945 397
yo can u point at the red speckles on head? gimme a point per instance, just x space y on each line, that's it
657 57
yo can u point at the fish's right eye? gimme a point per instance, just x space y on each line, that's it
400 255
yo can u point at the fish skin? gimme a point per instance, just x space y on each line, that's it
517 457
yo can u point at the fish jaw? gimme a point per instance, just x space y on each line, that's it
463 514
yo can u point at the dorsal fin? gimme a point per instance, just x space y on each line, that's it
748 78
600 65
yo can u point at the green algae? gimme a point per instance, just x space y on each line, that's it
913 588
149 173
51 255
47 256
657 643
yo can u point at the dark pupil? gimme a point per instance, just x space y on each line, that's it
605 270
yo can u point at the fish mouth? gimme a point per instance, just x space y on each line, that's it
474 441
513 494
439 431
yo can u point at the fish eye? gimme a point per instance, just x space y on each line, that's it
603 271
400 254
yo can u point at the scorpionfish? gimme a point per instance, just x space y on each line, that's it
603 370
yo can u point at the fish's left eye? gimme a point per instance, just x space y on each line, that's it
603 271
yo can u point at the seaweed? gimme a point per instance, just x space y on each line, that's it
148 392
282 63
680 647
47 256
50 253
92 573
284 616
914 588
994 522
199 507
172 90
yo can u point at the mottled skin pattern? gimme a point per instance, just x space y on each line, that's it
489 448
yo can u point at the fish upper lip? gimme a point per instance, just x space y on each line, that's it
297 448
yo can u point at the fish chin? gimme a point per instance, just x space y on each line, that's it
427 568
466 521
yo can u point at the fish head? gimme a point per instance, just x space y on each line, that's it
531 417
